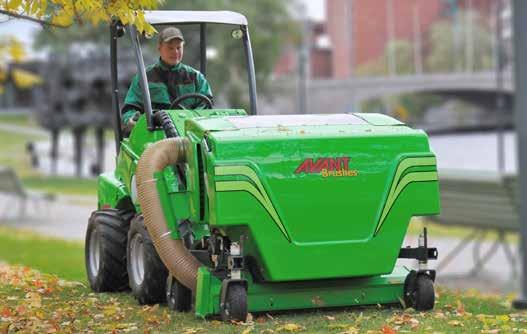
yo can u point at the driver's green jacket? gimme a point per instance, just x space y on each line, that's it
165 83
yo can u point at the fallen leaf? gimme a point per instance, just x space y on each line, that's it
460 308
290 328
456 323
388 330
34 299
6 312
248 330
503 318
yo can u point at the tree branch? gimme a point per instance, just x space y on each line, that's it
29 18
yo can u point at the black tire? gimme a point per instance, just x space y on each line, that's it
179 297
235 307
424 296
105 250
147 273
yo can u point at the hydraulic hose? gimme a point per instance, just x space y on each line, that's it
180 263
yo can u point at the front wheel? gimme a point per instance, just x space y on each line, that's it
179 297
235 307
419 292
146 271
424 293
105 250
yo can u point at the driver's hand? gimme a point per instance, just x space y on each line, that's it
130 122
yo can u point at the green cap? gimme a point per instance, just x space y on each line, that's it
169 34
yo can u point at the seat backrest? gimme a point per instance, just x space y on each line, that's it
10 183
478 199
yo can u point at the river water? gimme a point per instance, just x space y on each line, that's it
474 151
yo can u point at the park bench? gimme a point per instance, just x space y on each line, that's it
485 202
11 186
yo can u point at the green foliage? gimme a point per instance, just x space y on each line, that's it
447 43
403 57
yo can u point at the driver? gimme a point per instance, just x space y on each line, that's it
168 79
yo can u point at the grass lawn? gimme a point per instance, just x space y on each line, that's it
42 303
436 230
18 119
53 256
62 185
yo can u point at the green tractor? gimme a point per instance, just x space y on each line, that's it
221 212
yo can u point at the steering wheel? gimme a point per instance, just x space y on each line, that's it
203 98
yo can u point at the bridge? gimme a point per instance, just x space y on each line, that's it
329 96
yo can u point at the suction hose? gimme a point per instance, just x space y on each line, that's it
180 263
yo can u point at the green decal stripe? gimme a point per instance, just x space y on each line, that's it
255 188
400 181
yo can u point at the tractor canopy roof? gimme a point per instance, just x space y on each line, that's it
187 16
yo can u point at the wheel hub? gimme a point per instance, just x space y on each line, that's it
95 252
137 261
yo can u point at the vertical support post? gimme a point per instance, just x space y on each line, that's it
351 41
115 85
203 48
99 146
519 13
500 95
469 37
54 152
250 70
78 147
390 25
418 52
141 71
303 63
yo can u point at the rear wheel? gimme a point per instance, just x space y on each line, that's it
147 273
105 250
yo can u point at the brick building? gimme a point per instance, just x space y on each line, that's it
359 30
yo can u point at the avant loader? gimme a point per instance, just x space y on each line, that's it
225 212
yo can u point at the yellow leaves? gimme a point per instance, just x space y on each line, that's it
503 318
16 50
456 323
13 4
248 330
290 327
193 330
34 299
66 12
24 79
